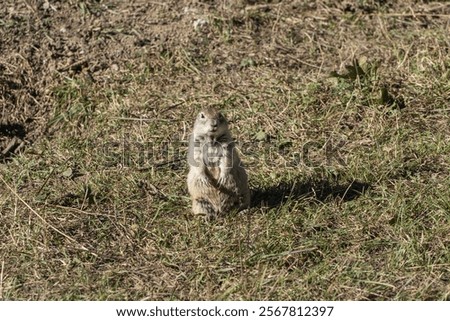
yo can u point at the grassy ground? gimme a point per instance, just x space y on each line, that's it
341 112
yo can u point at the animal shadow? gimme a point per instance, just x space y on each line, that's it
321 190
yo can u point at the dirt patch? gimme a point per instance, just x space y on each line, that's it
45 42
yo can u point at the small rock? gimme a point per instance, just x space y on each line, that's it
68 172
200 23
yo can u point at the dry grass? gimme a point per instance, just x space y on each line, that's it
341 113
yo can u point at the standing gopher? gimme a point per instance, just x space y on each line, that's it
217 181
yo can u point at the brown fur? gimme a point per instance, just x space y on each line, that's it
217 182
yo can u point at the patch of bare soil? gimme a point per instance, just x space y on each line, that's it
42 42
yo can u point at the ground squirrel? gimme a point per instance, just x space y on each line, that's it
217 181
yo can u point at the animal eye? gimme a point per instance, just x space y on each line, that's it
202 115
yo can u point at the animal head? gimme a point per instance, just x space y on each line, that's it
210 123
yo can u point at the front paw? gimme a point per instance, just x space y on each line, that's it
222 181
203 181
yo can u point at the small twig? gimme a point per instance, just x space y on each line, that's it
19 148
158 3
288 52
191 65
1 280
142 119
10 146
346 190
379 283
172 106
42 219
29 6
45 182
410 15
73 66
261 6
156 190
133 118
158 165
303 62
76 210
276 21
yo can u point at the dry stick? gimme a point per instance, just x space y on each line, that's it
45 182
43 220
1 280
81 211
10 146
73 65
410 15
261 6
